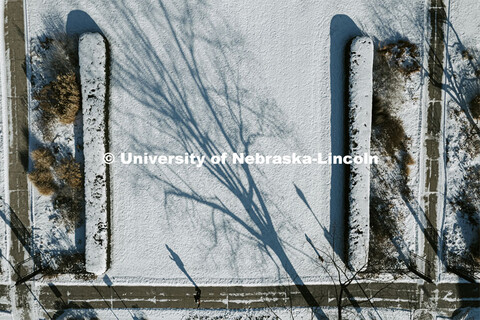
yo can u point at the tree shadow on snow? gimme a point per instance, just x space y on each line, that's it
205 114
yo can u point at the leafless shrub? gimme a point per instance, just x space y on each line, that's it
382 222
60 98
43 180
42 176
389 140
69 203
473 147
57 53
387 83
45 124
405 163
63 180
468 200
470 142
71 263
402 55
388 134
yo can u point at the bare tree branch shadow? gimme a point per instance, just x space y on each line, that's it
197 99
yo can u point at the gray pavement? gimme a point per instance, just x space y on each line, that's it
433 136
442 298
17 147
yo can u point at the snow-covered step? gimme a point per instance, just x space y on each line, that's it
92 59
360 127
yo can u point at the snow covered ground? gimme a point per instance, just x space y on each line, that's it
360 120
265 314
224 77
396 140
52 236
460 223
92 61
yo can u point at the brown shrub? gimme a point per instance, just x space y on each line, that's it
43 158
61 98
43 180
69 171
475 107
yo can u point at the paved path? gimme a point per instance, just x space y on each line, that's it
433 135
441 298
413 296
17 107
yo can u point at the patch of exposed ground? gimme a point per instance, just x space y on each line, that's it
394 139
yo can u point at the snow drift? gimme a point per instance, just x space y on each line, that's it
360 127
92 60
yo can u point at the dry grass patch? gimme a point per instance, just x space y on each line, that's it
69 171
43 180
42 177
61 98
43 158
63 180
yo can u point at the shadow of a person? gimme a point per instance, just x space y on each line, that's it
178 261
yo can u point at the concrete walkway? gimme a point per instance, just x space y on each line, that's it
432 136
17 108
442 298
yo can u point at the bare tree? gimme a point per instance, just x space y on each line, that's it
342 276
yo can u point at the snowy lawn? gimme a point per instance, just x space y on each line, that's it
225 77
461 222
360 120
264 314
92 61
